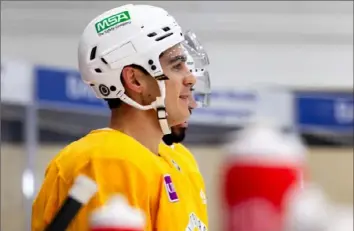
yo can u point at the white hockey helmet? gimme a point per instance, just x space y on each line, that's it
126 35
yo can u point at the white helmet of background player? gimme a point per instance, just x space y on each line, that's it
131 35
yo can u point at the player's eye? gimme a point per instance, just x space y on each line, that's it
179 66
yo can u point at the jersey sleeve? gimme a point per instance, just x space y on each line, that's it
111 176
48 200
118 176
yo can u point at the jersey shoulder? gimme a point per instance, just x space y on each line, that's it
115 161
103 145
183 150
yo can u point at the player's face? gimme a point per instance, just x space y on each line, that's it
178 86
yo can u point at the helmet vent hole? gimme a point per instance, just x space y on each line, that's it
166 29
98 70
93 53
104 61
163 37
152 34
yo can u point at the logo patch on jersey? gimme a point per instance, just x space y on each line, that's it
170 188
195 224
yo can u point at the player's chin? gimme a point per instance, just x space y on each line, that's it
179 118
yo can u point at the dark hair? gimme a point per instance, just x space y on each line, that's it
116 103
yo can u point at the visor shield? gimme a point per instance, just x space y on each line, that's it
196 50
202 89
189 58
197 62
173 61
181 53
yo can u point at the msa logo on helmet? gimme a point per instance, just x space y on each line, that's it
112 22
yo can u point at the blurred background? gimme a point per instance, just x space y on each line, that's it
291 62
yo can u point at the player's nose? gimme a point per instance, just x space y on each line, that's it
189 80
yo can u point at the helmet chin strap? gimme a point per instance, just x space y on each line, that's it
162 115
158 105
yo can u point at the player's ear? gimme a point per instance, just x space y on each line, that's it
131 79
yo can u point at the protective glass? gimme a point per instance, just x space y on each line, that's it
189 58
198 62
196 50
202 89
173 62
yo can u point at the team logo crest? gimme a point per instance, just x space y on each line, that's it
170 188
195 224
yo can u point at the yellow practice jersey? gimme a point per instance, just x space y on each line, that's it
166 187
184 161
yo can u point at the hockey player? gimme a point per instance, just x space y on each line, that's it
133 57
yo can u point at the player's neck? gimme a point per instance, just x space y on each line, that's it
140 125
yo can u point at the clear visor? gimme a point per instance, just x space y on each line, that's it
197 62
202 89
186 59
196 50
189 47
